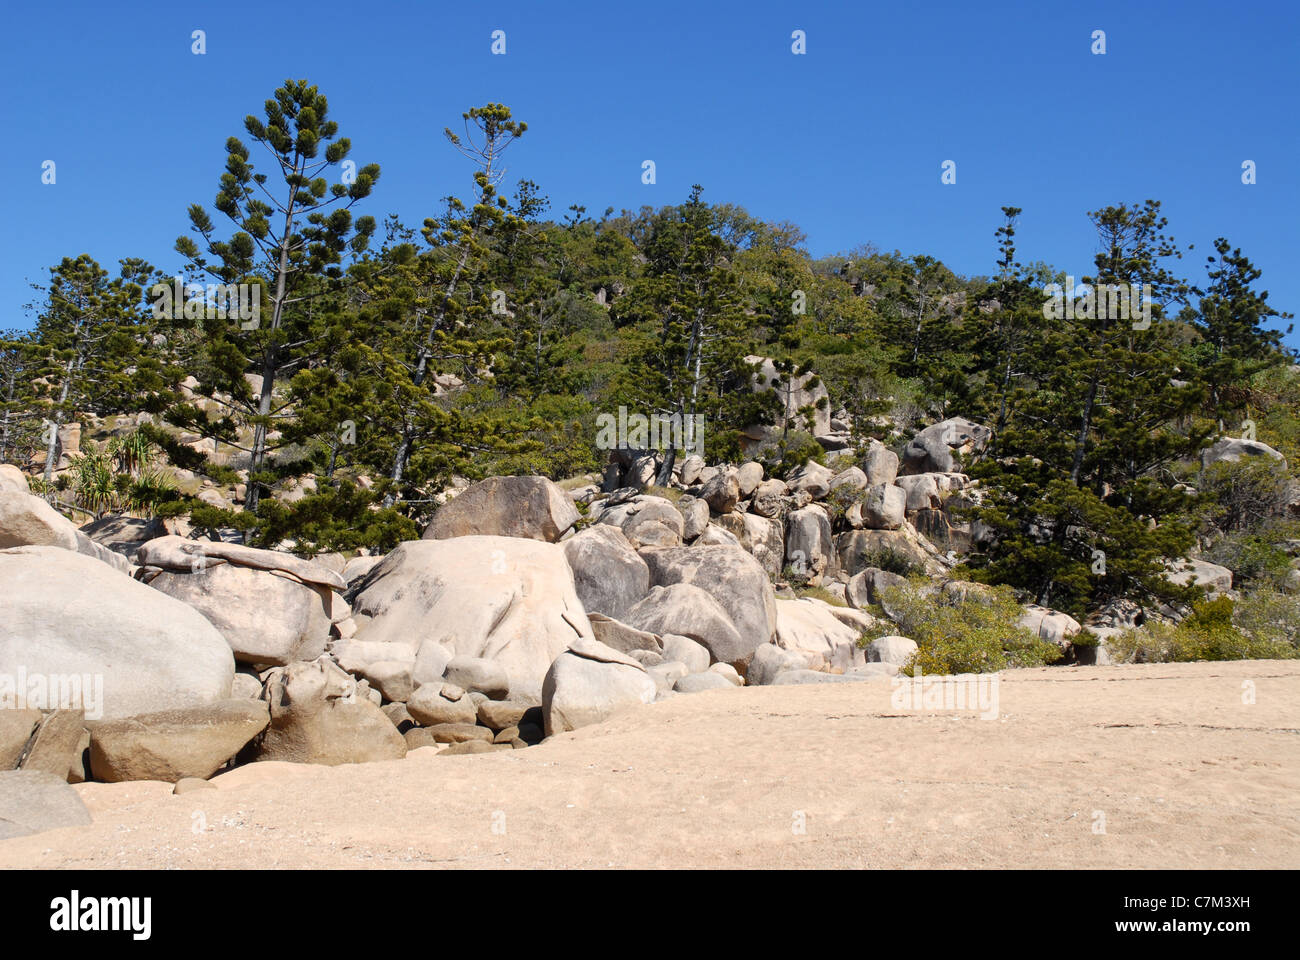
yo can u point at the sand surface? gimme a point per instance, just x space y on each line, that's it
1183 772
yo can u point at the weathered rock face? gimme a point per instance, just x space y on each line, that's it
700 682
68 444
938 527
896 650
809 548
766 542
812 479
1233 449
728 673
733 577
175 744
1049 624
589 683
645 521
530 507
849 481
690 469
933 450
695 517
622 637
1200 573
608 574
717 536
770 661
734 524
64 615
921 491
12 479
880 464
748 477
808 628
766 501
477 675
688 611
47 742
394 679
439 703
721 493
124 535
16 729
805 391
318 716
505 599
884 507
272 608
860 549
30 521
692 655
32 801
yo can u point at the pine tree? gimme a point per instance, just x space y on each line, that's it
92 330
1080 497
1230 320
291 229
20 431
692 361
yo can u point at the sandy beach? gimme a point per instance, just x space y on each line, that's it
1128 766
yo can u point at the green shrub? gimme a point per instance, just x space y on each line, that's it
1213 631
1270 616
960 635
1255 558
839 501
785 455
668 493
822 594
890 562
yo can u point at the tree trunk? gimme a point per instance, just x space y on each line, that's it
271 363
51 445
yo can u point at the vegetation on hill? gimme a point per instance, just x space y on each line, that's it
388 359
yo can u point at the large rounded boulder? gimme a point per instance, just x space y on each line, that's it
609 575
64 615
731 575
505 599
273 608
533 508
590 682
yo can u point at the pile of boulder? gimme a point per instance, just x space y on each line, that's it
130 652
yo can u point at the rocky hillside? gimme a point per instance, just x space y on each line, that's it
527 609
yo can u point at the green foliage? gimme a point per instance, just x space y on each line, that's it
339 518
689 353
1215 630
822 594
1271 617
122 478
783 455
1246 494
972 634
486 341
890 562
290 230
1255 559
92 484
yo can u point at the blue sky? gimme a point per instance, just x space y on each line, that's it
846 140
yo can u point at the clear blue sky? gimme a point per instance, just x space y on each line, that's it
846 141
